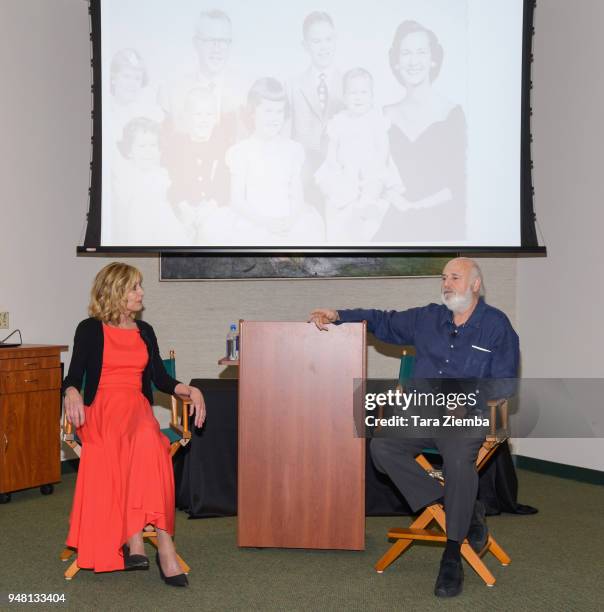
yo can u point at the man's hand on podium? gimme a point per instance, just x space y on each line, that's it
322 316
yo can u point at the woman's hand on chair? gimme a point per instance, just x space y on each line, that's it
198 406
74 407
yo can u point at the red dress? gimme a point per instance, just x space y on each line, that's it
125 479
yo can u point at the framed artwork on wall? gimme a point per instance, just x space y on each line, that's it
196 267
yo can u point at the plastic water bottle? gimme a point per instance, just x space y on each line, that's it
232 341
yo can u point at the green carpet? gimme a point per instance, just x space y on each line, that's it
557 560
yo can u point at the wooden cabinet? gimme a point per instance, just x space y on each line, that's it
30 411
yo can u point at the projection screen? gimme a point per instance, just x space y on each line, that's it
341 125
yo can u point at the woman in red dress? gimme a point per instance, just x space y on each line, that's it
125 479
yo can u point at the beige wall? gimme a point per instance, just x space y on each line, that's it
45 150
559 298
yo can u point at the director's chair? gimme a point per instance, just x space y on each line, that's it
179 435
418 530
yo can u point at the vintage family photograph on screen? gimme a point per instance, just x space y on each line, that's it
252 124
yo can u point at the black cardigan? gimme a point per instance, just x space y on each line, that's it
87 357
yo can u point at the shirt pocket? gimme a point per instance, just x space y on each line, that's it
478 363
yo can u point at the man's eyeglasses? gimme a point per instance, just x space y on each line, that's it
215 42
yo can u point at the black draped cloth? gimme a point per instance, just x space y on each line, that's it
206 469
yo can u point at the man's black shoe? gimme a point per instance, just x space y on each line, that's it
478 534
450 578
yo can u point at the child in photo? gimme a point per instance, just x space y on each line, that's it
357 177
267 203
142 215
194 158
131 94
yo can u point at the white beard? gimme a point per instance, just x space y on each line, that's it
457 303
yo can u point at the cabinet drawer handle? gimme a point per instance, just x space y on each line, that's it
5 442
31 363
31 380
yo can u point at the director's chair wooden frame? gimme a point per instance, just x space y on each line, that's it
418 530
179 424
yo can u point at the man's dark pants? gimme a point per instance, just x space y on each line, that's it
396 458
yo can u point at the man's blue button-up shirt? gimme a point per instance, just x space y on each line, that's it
486 346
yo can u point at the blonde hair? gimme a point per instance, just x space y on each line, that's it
109 291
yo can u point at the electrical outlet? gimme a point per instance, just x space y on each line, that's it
3 320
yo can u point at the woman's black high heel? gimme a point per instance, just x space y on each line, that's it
134 562
180 580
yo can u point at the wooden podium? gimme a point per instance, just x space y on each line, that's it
301 467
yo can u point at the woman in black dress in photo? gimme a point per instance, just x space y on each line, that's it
428 145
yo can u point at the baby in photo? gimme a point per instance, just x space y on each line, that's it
358 176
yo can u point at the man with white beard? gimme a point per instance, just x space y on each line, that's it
462 338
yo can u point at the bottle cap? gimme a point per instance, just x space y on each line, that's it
233 327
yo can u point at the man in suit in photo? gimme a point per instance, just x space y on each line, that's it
316 95
212 42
